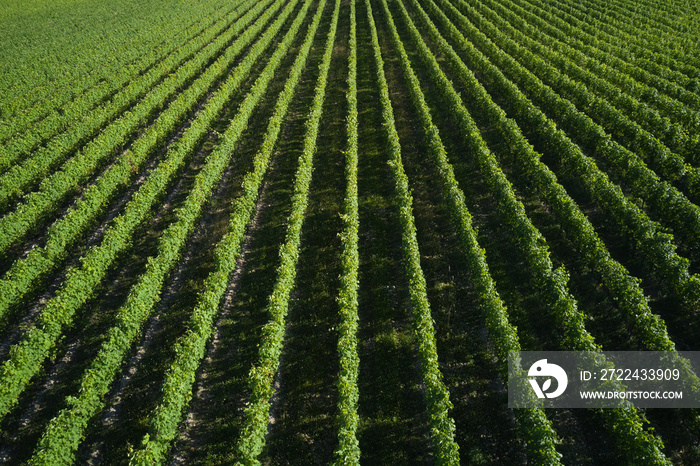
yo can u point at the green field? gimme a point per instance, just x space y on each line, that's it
310 231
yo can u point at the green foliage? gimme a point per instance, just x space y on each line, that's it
53 138
442 427
632 439
262 375
624 287
348 450
190 349
664 118
66 231
661 61
626 94
648 236
26 357
537 429
35 105
142 98
599 122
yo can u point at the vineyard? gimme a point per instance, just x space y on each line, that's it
310 231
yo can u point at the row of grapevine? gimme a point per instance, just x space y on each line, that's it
348 450
189 351
534 424
25 78
639 13
53 100
262 375
641 56
623 287
70 59
442 427
669 12
621 58
551 283
604 82
651 54
26 357
621 75
626 426
670 166
66 231
666 201
613 27
650 330
656 245
40 204
190 348
95 154
63 435
91 109
549 129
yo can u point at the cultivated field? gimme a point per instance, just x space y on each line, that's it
310 231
